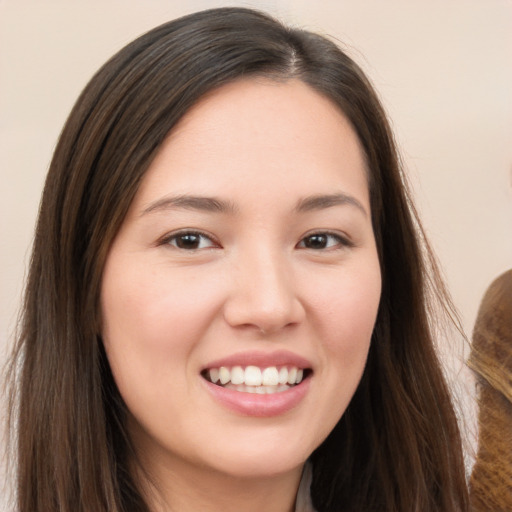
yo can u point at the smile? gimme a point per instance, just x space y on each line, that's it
252 379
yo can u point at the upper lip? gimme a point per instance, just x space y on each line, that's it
261 359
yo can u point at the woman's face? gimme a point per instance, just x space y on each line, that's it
248 256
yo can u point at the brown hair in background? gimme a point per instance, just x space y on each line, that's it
491 360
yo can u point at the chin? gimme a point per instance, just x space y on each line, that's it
259 456
260 467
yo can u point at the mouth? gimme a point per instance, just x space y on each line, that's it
253 379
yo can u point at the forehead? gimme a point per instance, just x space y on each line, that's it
264 134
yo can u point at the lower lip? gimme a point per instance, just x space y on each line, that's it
260 406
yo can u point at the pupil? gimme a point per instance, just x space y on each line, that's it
189 241
316 241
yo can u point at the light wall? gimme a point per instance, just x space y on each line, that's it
442 68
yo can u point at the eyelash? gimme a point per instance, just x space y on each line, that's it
340 241
190 233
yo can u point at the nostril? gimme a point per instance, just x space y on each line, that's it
266 303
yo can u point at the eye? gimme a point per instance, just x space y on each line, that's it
322 241
190 241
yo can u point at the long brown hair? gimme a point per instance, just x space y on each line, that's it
396 448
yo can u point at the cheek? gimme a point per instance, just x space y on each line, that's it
345 317
152 320
347 307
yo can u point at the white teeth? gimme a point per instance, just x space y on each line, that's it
259 390
255 379
252 376
237 375
224 375
214 375
270 376
292 375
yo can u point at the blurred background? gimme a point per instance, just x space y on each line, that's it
442 68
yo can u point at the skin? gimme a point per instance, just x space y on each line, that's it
255 281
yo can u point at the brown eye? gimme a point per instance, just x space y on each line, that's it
319 241
190 240
316 242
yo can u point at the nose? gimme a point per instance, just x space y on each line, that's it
263 294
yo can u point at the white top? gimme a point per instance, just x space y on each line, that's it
303 502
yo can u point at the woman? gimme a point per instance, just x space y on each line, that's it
227 301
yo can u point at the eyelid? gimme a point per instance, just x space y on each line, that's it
344 240
166 239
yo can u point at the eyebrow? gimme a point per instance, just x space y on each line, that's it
215 205
187 202
321 202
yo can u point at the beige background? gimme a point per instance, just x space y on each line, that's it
443 69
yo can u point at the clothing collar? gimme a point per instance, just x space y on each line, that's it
303 501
